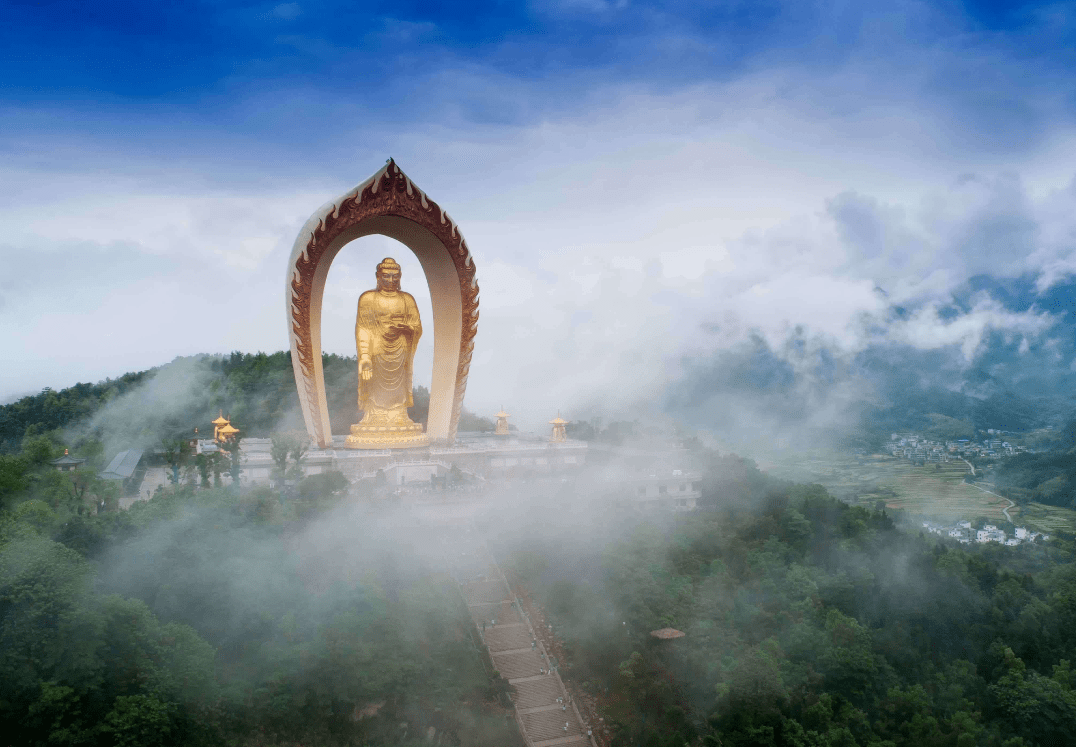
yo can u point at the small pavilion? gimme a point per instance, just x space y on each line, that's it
560 435
226 433
502 423
219 423
67 463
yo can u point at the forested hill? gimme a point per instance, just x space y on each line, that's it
256 390
52 409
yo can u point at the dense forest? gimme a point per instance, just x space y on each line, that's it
807 622
213 616
143 409
313 614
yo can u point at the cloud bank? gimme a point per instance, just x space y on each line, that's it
781 211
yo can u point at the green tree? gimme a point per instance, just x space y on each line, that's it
14 477
138 721
176 454
202 462
1030 704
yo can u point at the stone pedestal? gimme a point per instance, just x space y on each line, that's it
396 436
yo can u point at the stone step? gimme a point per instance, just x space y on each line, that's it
564 742
550 725
514 666
499 638
536 693
502 612
541 709
484 591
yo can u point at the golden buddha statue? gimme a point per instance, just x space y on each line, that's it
387 331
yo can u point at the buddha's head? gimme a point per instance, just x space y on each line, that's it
388 275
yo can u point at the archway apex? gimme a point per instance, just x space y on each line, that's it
388 203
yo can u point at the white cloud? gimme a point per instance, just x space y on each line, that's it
607 239
927 330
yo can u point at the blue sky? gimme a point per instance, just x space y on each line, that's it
640 183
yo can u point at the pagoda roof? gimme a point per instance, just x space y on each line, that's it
67 459
221 420
229 429
559 421
501 414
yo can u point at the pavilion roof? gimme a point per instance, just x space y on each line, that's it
666 634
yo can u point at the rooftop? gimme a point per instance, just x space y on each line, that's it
666 634
122 465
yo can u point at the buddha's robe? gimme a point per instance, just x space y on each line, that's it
387 328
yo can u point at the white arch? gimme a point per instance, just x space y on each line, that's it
389 204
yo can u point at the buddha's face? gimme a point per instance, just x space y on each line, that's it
388 279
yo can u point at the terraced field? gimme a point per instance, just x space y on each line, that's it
936 490
1046 518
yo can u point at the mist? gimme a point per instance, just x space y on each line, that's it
801 279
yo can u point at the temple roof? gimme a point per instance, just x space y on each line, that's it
67 459
221 420
501 414
228 429
122 466
559 421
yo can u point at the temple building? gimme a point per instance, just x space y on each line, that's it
505 453
217 424
125 468
67 463
223 430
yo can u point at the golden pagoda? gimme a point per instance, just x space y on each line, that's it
502 423
226 432
560 435
219 423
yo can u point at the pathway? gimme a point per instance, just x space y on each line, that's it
1012 503
545 712
1005 511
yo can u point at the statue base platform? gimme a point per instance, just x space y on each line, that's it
406 436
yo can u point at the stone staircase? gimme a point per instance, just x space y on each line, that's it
479 592
546 717
502 612
550 724
507 637
536 693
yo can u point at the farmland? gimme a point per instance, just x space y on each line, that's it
933 490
